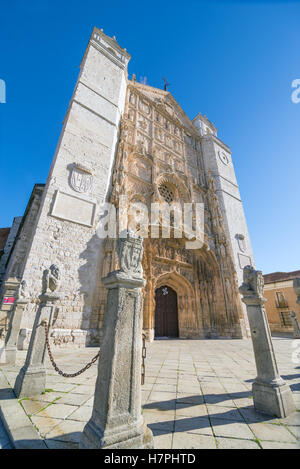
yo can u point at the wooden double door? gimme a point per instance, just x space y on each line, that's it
166 312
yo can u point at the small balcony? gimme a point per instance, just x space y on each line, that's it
282 303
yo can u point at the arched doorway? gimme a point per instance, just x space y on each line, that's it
166 312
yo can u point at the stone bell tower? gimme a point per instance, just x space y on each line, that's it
218 162
77 185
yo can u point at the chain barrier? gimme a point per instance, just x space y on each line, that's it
144 352
88 365
60 372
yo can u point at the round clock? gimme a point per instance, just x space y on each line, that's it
223 157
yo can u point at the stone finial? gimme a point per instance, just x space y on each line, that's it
52 279
22 291
130 252
296 285
253 282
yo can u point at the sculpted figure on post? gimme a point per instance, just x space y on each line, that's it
52 279
253 282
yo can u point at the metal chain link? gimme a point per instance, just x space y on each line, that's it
88 365
144 352
60 372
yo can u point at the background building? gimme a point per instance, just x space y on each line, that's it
281 300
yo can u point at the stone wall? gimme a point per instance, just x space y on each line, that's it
286 306
78 182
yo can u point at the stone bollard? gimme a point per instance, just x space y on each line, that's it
15 324
296 285
295 325
31 379
117 421
10 289
271 395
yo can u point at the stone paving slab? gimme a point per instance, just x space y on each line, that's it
236 443
197 395
17 429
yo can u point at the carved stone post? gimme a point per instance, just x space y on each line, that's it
116 420
9 292
15 324
271 394
295 325
296 285
31 379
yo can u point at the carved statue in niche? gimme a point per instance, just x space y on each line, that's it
124 130
131 115
143 146
132 98
143 123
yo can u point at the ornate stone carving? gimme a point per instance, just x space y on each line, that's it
158 154
81 179
253 282
241 242
130 252
52 279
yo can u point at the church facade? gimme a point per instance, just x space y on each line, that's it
123 138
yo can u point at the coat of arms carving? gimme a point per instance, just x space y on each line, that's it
241 242
81 179
130 252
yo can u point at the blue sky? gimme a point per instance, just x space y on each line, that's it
231 60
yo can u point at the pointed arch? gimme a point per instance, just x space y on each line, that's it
187 317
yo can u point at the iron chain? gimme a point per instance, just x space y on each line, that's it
144 352
88 365
60 372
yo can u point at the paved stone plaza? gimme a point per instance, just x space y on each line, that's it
197 395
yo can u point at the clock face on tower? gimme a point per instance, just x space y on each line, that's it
223 157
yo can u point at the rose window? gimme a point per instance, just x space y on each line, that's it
166 193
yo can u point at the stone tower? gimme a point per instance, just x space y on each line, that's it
78 183
121 137
218 161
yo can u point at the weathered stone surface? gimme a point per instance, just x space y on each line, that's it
32 376
116 420
235 443
17 425
295 326
271 394
15 324
77 185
